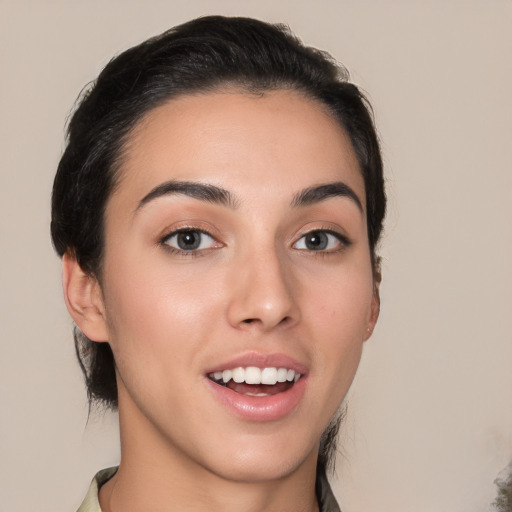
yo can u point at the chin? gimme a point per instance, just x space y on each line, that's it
263 461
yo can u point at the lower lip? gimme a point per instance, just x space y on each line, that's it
259 408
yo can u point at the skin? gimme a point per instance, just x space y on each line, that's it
254 286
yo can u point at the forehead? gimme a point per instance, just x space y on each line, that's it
278 140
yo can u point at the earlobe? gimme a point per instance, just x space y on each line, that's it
84 299
374 311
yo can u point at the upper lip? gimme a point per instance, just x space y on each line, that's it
259 360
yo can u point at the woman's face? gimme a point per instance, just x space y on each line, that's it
236 248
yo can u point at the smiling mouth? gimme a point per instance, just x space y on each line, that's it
254 381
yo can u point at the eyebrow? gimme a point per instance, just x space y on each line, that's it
201 191
318 193
215 194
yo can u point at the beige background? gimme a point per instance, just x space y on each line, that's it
430 415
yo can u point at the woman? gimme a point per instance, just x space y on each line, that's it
217 209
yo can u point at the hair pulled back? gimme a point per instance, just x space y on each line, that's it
205 54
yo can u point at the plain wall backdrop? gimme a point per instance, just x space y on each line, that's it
430 413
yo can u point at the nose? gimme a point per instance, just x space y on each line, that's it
262 293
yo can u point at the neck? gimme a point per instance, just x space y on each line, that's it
130 491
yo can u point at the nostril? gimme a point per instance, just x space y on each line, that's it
285 320
250 321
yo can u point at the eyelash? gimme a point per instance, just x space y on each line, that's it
197 251
343 241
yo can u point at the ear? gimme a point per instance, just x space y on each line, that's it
84 299
374 308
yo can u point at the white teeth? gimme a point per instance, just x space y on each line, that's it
269 376
254 375
239 375
281 374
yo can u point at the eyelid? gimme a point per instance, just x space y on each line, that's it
338 233
189 227
186 230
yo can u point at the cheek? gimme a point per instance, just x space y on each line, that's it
341 310
153 311
341 301
154 331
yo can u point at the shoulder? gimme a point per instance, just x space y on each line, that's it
91 502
